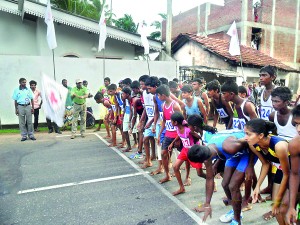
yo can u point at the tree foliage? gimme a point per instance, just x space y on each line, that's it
158 26
126 23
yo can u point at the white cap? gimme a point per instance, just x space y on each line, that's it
78 81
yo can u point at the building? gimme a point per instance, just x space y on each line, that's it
270 26
207 57
24 52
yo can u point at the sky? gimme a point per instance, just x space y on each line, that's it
148 10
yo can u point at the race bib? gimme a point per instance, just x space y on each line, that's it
222 113
169 126
161 115
265 111
150 111
238 123
185 142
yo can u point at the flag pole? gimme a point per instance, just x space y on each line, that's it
103 56
147 57
53 64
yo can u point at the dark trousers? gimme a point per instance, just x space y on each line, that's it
36 118
50 126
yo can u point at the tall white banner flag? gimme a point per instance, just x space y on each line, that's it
234 47
51 38
144 39
103 32
54 99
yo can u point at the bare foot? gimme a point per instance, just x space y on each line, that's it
110 141
135 146
158 171
215 186
153 158
267 216
164 180
112 145
187 182
179 191
146 165
107 137
266 190
141 162
268 198
218 176
246 207
122 146
199 208
127 150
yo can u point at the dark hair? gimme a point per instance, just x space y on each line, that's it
112 87
85 81
187 88
177 117
176 80
164 80
98 96
269 69
21 80
152 82
127 81
200 81
199 153
163 90
261 126
243 90
107 79
32 82
135 84
230 86
284 93
173 84
143 78
127 90
296 111
197 120
213 85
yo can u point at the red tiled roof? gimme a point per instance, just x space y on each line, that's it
249 55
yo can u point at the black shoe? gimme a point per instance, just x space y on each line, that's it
24 139
50 131
32 138
58 132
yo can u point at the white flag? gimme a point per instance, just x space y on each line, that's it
234 48
54 99
144 39
51 38
103 33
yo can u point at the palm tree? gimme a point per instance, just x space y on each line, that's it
87 8
126 23
158 26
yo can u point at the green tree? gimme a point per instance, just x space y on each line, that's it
86 8
126 23
158 26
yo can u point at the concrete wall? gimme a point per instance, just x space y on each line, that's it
29 38
192 54
30 67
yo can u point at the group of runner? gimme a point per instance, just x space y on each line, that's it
162 116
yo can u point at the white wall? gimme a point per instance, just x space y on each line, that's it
30 67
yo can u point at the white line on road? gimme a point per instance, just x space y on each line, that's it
80 183
159 186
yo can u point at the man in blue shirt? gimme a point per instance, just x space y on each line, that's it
23 98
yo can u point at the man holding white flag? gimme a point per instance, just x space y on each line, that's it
234 48
51 38
54 98
103 32
144 39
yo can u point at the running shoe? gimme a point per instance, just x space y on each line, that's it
136 155
226 218
234 222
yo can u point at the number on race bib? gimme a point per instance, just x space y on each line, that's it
150 110
236 123
169 126
185 142
222 113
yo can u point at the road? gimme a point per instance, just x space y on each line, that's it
56 180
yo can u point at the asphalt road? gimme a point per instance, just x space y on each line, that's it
56 180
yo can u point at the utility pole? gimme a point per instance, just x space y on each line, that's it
169 27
